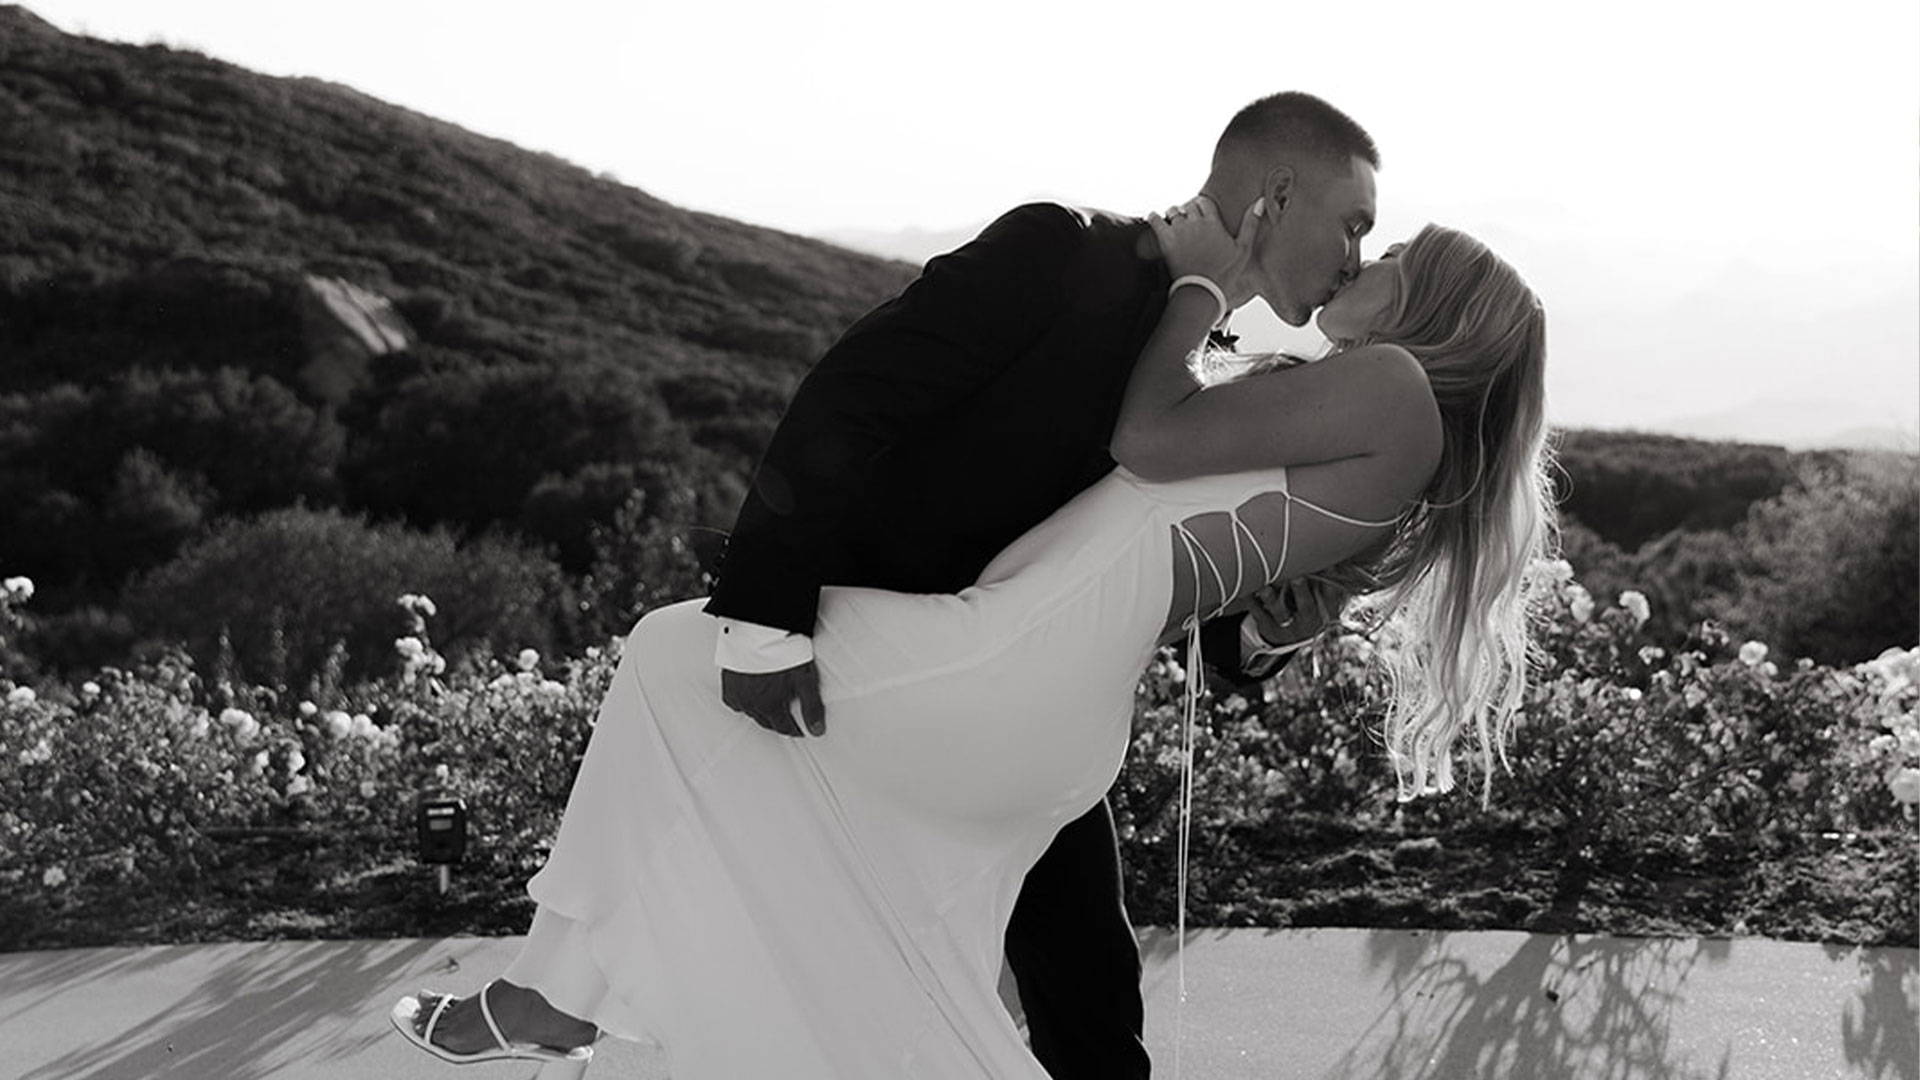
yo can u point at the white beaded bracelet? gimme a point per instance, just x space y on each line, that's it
1207 284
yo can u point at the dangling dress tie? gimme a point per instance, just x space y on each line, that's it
1270 572
1195 675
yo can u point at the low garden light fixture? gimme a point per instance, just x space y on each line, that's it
442 824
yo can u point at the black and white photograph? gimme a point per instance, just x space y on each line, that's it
1004 541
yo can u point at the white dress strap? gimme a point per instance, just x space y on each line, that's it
1292 498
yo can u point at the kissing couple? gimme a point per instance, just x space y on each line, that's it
820 809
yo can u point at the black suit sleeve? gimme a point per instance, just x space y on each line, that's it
962 322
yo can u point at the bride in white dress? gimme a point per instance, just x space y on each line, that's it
835 908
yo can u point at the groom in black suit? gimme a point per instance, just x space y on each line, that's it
957 415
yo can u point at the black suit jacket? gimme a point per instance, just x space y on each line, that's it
951 419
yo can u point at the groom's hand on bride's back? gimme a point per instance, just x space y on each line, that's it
769 698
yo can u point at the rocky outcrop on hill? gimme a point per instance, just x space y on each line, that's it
344 328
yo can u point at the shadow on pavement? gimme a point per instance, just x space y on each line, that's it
1881 1028
240 1019
1597 1009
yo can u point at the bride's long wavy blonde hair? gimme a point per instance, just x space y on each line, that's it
1453 578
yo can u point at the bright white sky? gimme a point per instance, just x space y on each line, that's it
1719 202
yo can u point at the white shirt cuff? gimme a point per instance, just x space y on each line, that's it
752 649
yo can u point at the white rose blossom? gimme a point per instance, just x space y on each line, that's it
338 725
1636 604
1580 603
528 659
54 877
309 709
90 689
1905 786
21 695
19 588
299 785
1752 653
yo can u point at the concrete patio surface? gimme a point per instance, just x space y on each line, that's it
1317 1004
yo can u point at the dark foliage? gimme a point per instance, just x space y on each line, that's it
282 588
1631 487
1829 568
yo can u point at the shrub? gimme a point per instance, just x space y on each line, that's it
131 781
283 587
468 445
645 559
1622 746
1831 568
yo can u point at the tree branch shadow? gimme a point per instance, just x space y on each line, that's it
271 1004
1880 1030
1557 1007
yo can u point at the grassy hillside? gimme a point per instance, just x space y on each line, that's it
149 173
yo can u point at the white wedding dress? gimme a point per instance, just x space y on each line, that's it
835 908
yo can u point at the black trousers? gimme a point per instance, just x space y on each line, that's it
1075 960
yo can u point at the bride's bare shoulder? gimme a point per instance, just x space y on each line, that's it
1416 432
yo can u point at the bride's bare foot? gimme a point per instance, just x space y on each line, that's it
523 1015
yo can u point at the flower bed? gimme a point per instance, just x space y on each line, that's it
1707 790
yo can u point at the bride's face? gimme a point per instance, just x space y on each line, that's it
1370 302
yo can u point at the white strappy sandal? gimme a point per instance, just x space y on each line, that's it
559 1064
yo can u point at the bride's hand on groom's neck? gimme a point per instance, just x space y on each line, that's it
1194 241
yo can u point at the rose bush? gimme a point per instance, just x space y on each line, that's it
1622 749
147 779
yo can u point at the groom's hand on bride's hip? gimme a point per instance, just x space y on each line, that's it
1296 610
769 698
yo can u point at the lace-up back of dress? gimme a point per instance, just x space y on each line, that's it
1252 539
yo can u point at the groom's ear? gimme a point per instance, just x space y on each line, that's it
1279 186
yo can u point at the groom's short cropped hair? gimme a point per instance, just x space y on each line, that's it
1297 121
